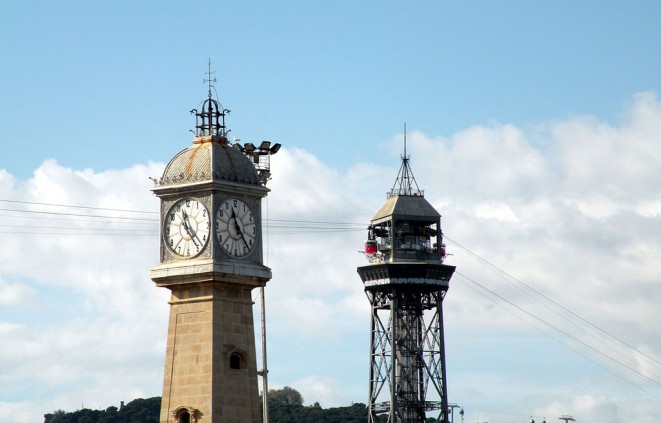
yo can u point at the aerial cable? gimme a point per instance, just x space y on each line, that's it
550 300
76 228
567 334
78 233
281 227
504 275
77 207
553 337
362 225
78 219
79 215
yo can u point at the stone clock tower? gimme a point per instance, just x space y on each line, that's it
211 260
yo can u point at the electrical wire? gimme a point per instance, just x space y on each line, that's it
508 277
77 215
276 226
290 226
562 332
77 207
576 321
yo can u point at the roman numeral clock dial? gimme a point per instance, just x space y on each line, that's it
236 227
186 227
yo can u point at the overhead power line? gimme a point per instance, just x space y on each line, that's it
79 215
116 215
565 334
529 289
298 226
548 328
77 207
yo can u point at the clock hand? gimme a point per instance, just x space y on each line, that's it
238 229
192 232
243 237
187 227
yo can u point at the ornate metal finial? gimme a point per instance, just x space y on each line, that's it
209 79
405 183
210 119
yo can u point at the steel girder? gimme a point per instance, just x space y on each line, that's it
407 354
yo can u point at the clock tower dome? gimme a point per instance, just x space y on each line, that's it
211 260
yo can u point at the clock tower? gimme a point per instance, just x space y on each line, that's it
211 260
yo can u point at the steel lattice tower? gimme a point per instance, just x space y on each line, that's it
405 283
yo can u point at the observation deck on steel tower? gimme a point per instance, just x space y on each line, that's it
405 282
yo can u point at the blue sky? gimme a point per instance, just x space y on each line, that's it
534 128
316 75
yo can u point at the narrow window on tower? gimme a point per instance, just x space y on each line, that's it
235 361
185 415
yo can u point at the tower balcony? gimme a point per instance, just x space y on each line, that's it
420 275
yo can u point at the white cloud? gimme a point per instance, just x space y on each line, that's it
86 325
327 391
15 294
571 208
496 211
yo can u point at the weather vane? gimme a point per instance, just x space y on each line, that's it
210 79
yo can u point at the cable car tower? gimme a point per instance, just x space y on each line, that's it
405 282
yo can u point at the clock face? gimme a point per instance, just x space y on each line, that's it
186 227
236 228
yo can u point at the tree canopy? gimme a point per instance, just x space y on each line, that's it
137 411
285 406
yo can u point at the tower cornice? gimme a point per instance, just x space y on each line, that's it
210 271
203 186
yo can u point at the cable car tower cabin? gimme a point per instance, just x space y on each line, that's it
405 282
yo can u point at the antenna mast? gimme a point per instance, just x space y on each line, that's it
404 139
209 79
405 183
